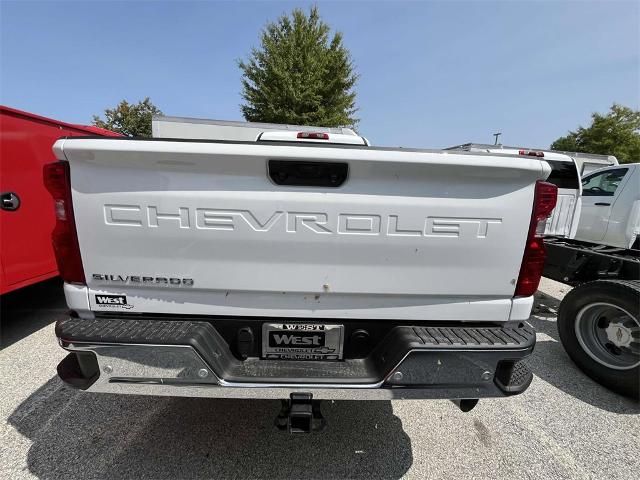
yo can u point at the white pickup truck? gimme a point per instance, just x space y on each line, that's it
611 207
301 266
599 320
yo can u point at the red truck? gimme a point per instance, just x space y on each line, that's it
26 216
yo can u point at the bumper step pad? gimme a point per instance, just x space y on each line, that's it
483 359
200 335
469 337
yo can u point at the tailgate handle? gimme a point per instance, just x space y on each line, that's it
603 204
307 174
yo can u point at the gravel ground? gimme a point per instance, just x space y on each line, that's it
564 426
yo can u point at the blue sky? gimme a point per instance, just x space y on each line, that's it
433 74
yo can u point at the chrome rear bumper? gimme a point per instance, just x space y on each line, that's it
190 359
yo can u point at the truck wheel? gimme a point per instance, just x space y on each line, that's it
599 326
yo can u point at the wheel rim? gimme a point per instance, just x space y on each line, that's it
610 335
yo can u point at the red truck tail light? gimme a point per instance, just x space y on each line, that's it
546 195
64 236
531 153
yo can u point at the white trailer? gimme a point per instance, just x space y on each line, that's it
208 129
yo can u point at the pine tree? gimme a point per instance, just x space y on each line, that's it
299 75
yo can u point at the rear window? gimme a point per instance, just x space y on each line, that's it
563 174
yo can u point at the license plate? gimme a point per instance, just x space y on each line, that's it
302 341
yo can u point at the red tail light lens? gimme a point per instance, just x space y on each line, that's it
313 135
531 153
546 195
64 236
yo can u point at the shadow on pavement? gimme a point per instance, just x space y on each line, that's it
27 310
80 435
551 363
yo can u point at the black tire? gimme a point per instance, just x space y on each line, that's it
624 294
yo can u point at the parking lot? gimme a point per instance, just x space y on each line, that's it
564 426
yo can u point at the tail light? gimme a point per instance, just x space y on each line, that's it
64 236
531 153
535 254
313 135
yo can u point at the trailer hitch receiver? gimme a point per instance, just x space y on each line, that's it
300 414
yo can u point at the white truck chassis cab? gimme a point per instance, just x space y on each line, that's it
299 265
599 320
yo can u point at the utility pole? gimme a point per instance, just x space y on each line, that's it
497 134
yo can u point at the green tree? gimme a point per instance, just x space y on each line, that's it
299 75
132 120
616 133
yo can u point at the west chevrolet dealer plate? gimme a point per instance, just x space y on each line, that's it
302 341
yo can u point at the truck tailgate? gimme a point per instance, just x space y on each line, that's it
199 227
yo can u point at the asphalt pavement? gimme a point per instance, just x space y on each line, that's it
564 426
